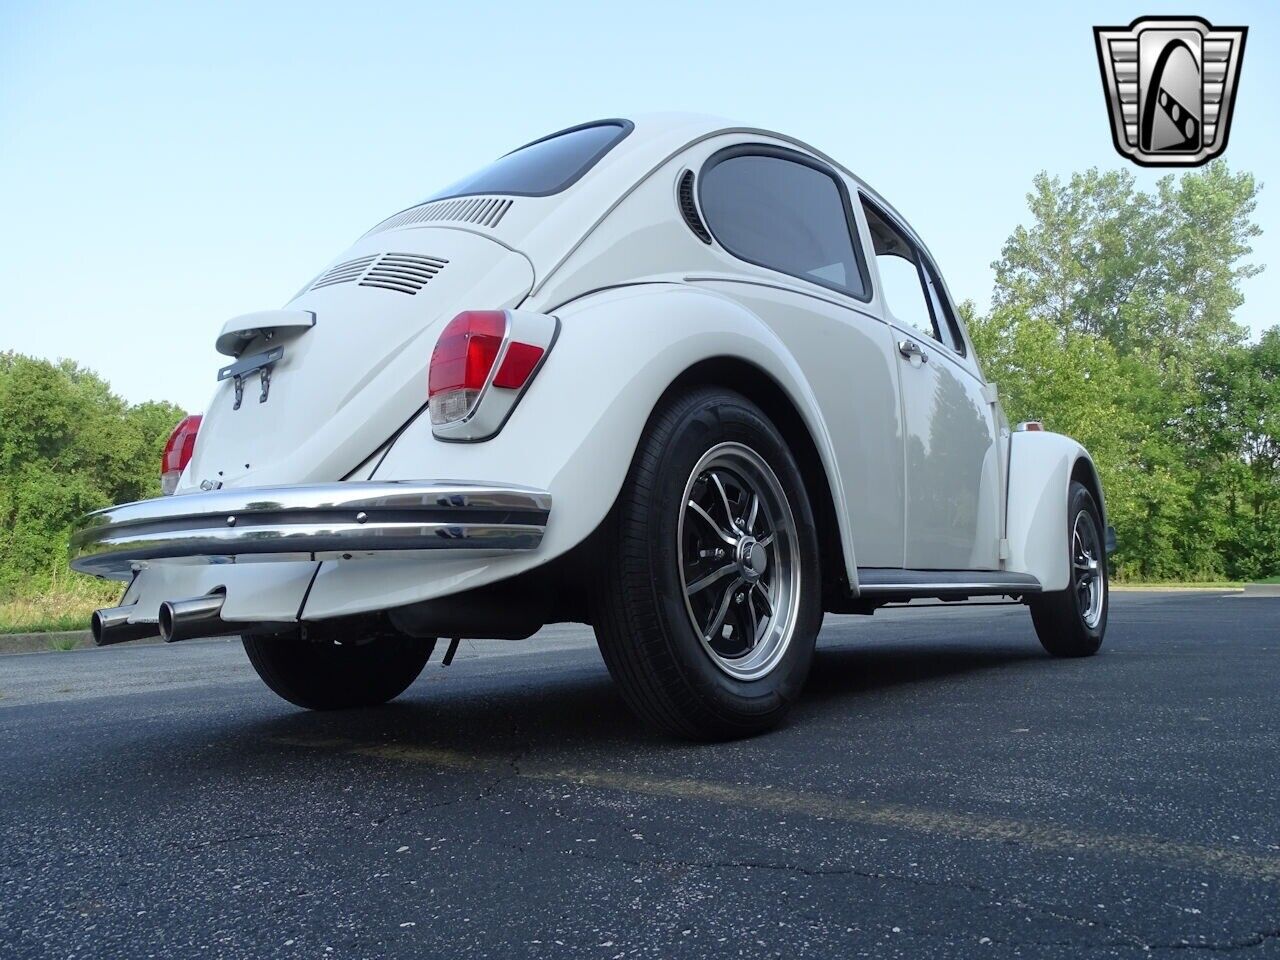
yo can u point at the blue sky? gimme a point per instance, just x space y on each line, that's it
166 166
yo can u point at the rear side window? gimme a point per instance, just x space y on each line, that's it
777 209
545 166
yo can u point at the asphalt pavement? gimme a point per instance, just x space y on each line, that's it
944 789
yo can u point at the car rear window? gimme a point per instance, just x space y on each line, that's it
781 210
545 166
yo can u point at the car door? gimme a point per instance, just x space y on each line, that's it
794 257
951 464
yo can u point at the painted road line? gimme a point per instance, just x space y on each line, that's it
958 826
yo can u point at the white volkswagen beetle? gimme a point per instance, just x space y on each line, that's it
691 383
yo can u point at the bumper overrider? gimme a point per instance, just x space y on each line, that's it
328 521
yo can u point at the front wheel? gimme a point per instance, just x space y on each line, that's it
708 602
1071 622
323 675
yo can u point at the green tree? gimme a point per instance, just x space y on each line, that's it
67 445
1113 320
1157 272
1236 432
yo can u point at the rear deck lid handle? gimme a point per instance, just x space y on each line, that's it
238 332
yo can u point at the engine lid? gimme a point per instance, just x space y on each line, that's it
310 402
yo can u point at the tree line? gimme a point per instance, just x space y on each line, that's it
1113 320
67 445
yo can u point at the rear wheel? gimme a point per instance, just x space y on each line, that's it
1071 622
322 675
707 602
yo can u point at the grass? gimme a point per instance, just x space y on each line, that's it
1177 584
1275 579
65 605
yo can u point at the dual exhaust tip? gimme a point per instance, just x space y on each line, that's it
178 620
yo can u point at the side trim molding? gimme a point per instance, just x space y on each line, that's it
883 582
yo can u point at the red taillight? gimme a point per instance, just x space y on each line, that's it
178 450
466 351
463 360
1032 425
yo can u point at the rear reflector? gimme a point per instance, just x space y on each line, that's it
517 365
178 451
1032 425
463 361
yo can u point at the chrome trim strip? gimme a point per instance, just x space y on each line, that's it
996 587
312 521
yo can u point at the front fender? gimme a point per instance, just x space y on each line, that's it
1041 465
574 434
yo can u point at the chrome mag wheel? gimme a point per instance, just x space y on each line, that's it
739 563
1087 558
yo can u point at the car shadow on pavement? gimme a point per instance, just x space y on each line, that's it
579 709
545 711
579 706
853 670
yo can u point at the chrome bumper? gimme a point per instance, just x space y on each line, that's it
317 521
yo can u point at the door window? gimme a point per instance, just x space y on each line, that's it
901 281
779 209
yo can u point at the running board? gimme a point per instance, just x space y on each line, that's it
891 583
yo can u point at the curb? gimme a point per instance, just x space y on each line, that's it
1171 588
1262 590
40 642
44 642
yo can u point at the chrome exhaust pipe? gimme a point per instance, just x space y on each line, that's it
197 617
111 625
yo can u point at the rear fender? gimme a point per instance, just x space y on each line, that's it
574 434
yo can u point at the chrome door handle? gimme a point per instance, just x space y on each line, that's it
909 349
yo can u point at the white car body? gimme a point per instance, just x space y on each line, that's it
914 463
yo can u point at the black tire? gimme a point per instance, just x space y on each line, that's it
322 675
1062 618
645 632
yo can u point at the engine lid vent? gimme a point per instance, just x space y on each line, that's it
689 209
482 211
343 272
405 272
402 272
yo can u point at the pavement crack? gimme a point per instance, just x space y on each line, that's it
1127 939
1122 938
1244 943
747 864
235 838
